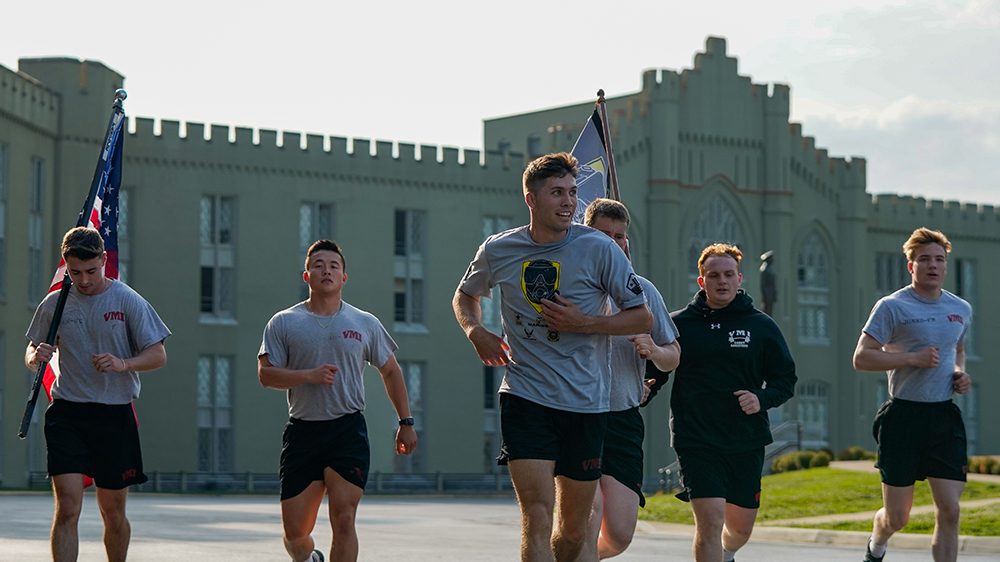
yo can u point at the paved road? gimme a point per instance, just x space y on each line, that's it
191 528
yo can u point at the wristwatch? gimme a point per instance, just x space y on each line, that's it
405 421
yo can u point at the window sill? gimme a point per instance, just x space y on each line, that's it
405 328
816 342
209 320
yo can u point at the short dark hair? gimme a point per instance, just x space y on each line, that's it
602 207
329 245
82 243
557 165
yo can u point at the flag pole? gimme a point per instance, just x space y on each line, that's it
101 174
612 172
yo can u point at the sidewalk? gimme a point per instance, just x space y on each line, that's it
776 532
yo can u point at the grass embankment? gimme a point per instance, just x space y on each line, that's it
829 491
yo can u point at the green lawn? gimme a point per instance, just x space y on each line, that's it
976 521
804 493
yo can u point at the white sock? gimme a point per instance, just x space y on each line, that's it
728 555
877 550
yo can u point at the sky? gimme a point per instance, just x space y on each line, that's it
912 86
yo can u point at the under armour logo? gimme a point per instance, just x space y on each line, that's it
715 326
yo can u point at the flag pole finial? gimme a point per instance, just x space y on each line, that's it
120 96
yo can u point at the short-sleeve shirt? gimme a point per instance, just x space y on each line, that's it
905 321
562 370
295 338
628 368
118 321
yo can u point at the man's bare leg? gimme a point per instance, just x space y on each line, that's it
738 526
709 518
117 530
574 500
535 489
621 509
298 518
344 499
946 494
65 540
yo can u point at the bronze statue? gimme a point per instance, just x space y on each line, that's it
768 284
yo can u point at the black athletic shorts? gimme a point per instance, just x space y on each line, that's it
309 447
533 431
622 459
919 439
706 473
99 440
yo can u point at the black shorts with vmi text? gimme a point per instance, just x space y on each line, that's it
98 440
709 473
310 447
917 440
573 440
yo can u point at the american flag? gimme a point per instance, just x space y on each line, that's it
102 216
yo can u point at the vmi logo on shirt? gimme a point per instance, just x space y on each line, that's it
539 280
633 284
739 338
956 318
351 335
114 315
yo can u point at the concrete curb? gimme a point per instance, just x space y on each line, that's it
868 515
971 545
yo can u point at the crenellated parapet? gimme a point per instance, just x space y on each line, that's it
25 100
266 151
901 213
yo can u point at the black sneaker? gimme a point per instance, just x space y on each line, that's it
317 556
869 557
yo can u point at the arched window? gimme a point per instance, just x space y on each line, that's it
716 223
813 292
814 407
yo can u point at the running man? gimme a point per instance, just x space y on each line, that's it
619 497
317 350
736 365
917 336
107 336
555 280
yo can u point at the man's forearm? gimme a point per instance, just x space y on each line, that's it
467 312
666 357
635 320
878 360
151 358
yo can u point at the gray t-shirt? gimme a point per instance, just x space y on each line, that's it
295 338
562 370
628 368
903 322
117 321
